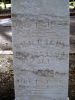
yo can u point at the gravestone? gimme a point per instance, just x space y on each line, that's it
41 49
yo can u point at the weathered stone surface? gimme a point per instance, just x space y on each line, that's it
41 49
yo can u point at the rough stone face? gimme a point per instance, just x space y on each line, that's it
41 49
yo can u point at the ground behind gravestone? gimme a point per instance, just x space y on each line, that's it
6 61
6 78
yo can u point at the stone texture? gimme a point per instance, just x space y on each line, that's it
41 49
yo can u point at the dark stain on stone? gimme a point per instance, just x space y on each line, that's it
44 73
59 73
25 55
34 56
22 55
14 15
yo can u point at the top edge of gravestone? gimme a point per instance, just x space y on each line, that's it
40 7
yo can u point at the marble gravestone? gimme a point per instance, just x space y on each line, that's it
41 49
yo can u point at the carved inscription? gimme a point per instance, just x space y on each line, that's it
42 43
